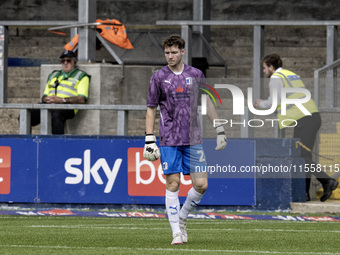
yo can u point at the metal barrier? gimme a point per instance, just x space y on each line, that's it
258 39
45 123
330 87
122 116
186 27
4 46
258 52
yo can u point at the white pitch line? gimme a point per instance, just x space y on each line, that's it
190 221
191 229
93 227
167 249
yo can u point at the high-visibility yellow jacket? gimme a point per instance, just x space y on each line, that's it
62 84
292 80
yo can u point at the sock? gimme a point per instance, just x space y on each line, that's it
193 199
172 208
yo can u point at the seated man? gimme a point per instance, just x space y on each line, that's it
66 86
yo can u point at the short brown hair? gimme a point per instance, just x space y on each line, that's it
272 60
174 40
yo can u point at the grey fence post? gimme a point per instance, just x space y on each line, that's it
3 63
87 35
122 122
45 122
187 36
257 56
25 122
246 131
332 45
201 11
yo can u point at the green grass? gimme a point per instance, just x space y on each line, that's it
94 235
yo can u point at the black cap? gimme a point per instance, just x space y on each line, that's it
68 53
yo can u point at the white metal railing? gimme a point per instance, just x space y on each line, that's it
258 52
45 113
122 116
258 38
330 100
186 33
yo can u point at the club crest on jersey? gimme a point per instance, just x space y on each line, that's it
179 90
165 165
188 81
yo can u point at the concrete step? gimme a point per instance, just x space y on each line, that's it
43 40
9 123
329 206
23 84
36 51
23 72
28 91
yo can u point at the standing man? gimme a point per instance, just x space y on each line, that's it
307 125
175 89
66 86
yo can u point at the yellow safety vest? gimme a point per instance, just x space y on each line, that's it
292 80
61 84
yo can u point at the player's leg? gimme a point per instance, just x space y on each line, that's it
171 159
172 205
199 182
200 185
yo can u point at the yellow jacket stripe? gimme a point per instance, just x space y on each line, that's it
292 80
74 84
59 86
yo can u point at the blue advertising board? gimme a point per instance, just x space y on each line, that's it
18 170
83 171
112 170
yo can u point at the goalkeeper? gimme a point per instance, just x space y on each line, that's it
175 89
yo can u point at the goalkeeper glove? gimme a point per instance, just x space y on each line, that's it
151 151
221 139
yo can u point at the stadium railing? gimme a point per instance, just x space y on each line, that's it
45 113
258 39
186 30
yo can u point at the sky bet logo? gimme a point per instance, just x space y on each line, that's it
5 169
78 175
145 178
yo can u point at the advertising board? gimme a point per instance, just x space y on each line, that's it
113 171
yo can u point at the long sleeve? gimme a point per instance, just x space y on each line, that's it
275 82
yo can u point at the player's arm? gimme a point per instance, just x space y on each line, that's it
150 120
221 139
151 151
275 87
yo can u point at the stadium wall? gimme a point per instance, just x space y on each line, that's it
303 49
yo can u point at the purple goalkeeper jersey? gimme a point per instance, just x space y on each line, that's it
177 96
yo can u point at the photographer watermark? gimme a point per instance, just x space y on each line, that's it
254 122
239 101
275 170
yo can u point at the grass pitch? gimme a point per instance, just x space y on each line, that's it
94 235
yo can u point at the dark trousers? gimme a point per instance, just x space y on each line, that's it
307 129
59 118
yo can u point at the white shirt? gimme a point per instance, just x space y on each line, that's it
275 82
